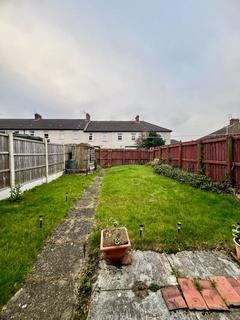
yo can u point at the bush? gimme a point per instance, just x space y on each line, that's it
16 193
195 180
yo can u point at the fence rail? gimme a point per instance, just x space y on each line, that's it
217 157
23 160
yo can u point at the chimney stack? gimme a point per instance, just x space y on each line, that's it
37 116
88 118
137 119
234 121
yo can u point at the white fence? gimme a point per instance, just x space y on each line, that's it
28 162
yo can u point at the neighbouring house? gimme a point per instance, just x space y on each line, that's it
174 141
232 128
104 134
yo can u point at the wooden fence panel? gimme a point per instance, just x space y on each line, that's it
29 160
236 160
56 154
174 155
189 156
4 162
215 158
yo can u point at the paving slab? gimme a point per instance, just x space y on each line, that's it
142 269
43 299
202 264
211 297
173 298
123 305
192 296
226 290
107 304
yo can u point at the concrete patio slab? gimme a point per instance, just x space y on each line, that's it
113 297
141 269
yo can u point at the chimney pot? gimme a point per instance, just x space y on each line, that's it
37 116
137 119
234 121
88 117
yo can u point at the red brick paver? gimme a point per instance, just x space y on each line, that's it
173 298
235 284
192 296
211 296
226 291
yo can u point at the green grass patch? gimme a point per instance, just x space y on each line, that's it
21 238
135 195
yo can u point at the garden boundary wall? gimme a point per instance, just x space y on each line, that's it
28 162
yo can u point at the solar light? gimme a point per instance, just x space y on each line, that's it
66 196
141 226
179 224
40 221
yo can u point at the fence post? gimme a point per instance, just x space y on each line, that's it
200 157
64 157
46 159
123 156
11 159
180 155
168 155
229 143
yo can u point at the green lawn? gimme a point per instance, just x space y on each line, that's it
135 195
20 236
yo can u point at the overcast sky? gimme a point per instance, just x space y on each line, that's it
176 63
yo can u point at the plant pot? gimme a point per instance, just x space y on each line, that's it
237 246
114 253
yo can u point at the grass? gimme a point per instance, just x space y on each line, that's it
20 236
135 195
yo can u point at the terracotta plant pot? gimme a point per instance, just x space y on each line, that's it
237 245
115 253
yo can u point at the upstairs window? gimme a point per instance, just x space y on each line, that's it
133 136
75 135
61 135
104 138
90 137
119 136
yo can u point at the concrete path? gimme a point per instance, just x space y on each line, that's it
50 291
114 299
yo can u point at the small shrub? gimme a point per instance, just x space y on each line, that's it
195 180
16 193
175 271
85 285
154 287
197 285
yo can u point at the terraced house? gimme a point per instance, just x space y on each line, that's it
104 134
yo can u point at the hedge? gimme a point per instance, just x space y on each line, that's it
195 180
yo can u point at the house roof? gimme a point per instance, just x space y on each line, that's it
174 141
79 124
232 128
123 126
42 124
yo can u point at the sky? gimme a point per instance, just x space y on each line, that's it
176 63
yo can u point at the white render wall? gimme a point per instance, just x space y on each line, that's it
101 139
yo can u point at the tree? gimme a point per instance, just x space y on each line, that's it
153 139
